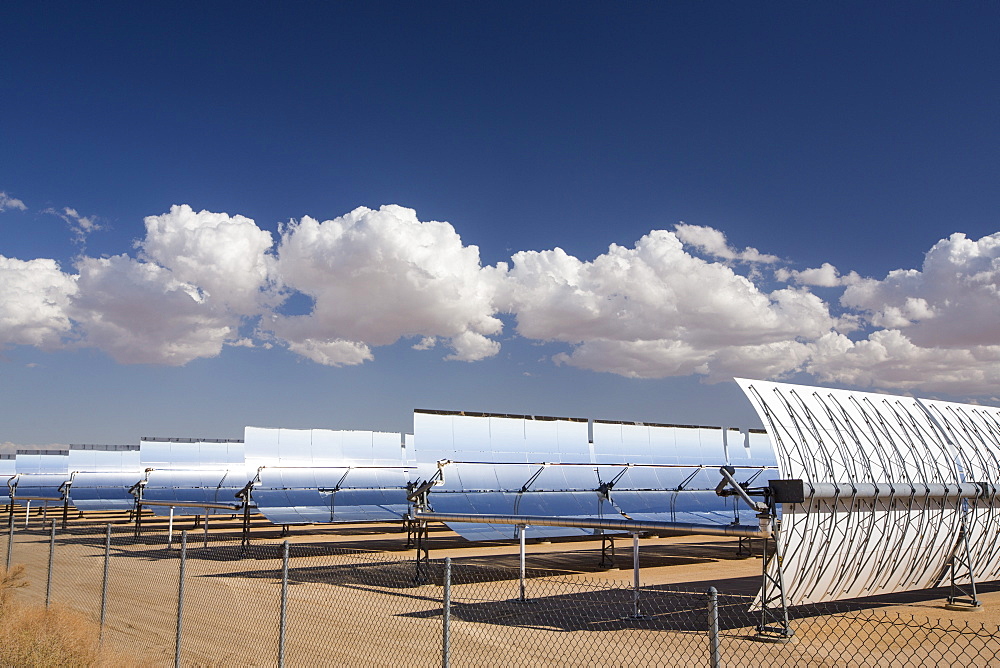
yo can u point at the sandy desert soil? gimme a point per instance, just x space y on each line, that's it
353 601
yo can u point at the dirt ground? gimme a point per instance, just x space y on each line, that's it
353 600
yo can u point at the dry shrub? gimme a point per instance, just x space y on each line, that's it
33 636
9 581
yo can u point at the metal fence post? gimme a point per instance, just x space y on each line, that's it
635 575
10 542
715 657
104 583
52 552
283 620
180 599
520 531
446 616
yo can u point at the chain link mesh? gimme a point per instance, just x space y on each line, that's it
357 607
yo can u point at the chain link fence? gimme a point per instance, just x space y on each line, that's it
206 599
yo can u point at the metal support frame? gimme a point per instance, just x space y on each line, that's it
774 625
963 597
170 529
412 527
417 531
138 517
246 496
635 576
245 532
136 491
423 559
744 547
607 551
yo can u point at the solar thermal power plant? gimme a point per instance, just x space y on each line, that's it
862 493
529 466
102 475
190 476
315 476
894 493
41 475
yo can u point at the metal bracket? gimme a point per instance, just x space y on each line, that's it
136 491
65 489
728 480
246 495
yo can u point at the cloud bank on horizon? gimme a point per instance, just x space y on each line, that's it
679 302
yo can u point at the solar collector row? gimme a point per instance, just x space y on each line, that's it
488 465
520 465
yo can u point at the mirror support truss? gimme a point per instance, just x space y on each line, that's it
774 625
963 597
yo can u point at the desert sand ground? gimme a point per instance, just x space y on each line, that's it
352 600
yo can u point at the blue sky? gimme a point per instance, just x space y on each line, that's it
800 191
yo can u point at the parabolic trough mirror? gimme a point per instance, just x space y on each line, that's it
513 466
897 493
862 493
101 476
306 476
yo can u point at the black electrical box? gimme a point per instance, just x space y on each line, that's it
787 491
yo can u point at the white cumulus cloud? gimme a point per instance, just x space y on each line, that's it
656 310
332 352
824 276
377 276
673 304
713 242
138 312
225 256
953 301
887 359
34 298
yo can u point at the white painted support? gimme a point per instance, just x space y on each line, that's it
170 529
